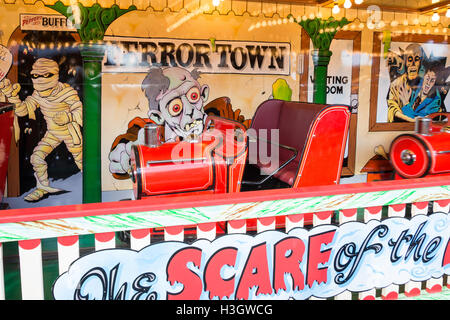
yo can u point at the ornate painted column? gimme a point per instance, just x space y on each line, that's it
91 24
321 33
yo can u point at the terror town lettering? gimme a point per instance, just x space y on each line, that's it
321 262
138 54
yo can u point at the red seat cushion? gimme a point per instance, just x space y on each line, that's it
288 173
293 120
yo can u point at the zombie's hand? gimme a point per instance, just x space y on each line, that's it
61 118
119 157
8 89
404 93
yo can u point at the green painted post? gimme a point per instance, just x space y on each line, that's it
92 64
321 59
91 24
321 33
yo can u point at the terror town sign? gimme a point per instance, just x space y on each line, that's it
208 56
321 262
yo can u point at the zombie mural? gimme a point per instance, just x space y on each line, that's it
61 108
176 100
418 84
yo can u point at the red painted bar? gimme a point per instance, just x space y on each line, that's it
161 203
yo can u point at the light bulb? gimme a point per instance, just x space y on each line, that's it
347 4
435 17
358 1
215 2
335 9
447 14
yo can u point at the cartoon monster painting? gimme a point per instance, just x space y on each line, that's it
175 100
418 84
62 110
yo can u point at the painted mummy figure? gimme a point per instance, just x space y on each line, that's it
62 111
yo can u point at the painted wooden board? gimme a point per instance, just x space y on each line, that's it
40 229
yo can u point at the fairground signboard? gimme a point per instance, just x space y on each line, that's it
321 262
125 54
45 22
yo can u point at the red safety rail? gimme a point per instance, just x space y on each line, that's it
30 250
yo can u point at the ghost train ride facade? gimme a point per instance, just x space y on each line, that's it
237 174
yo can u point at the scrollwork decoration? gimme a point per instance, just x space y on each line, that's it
90 22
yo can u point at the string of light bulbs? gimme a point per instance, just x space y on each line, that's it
347 5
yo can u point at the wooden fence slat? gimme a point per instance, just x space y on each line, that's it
294 221
206 231
175 233
441 205
139 238
372 213
68 252
347 215
323 217
237 226
106 240
419 208
264 224
31 274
